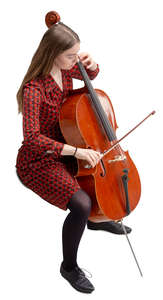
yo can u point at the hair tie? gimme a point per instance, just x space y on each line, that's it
51 18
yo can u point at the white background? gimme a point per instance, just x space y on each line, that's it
125 38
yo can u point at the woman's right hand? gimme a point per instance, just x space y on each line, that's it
91 156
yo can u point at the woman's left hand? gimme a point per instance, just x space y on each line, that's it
87 61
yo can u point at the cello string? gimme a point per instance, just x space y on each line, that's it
124 229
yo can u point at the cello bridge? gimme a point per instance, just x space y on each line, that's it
117 158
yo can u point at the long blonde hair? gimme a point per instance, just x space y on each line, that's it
56 40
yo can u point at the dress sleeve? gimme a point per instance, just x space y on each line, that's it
32 97
75 73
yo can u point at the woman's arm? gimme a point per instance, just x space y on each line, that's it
36 141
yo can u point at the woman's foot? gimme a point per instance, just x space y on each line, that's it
77 279
110 226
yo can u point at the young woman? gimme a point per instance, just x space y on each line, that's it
45 163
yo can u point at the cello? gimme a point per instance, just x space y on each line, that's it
87 120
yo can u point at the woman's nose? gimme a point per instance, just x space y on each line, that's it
76 59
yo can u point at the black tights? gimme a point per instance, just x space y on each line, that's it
73 227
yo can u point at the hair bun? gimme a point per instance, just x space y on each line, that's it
51 18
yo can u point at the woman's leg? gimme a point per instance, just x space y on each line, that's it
73 227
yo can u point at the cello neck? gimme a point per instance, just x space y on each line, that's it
97 105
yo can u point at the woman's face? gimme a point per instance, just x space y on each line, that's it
68 58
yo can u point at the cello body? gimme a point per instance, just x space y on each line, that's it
113 184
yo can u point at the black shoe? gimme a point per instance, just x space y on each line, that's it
77 279
110 226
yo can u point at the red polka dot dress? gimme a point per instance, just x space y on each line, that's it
50 175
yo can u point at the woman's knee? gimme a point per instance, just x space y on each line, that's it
80 203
